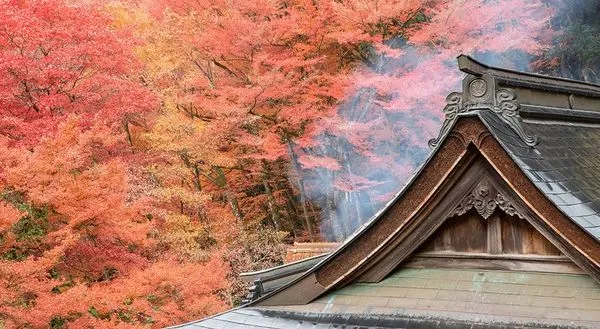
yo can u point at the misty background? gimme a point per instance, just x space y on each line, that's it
380 135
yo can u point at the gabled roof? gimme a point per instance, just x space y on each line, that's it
564 117
536 138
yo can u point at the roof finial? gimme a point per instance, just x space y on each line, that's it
481 92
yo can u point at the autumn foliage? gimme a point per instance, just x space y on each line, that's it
75 236
152 150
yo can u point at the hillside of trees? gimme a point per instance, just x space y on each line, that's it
152 150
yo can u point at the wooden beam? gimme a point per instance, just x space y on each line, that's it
549 264
494 234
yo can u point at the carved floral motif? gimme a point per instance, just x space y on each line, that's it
485 198
452 109
506 206
508 109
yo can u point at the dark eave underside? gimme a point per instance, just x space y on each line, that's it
266 281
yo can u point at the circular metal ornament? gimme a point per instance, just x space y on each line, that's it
478 87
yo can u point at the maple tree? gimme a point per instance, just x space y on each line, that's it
81 242
393 107
574 42
329 88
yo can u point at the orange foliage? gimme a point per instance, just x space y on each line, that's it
80 235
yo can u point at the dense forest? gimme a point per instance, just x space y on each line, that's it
152 150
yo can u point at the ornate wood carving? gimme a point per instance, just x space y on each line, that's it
507 206
485 198
451 111
507 109
481 93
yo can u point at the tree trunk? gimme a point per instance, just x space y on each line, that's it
340 227
233 203
221 181
197 182
272 206
296 173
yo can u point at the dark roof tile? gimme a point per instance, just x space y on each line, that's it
564 165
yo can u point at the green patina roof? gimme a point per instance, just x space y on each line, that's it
470 294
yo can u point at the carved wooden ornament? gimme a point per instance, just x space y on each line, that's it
481 94
485 198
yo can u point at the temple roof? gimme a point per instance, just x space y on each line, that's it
564 118
541 137
271 279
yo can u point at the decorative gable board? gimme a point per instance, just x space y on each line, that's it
478 222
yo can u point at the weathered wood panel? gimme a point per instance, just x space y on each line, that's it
499 234
465 233
494 233
519 237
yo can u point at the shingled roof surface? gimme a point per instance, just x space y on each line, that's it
564 165
550 127
437 298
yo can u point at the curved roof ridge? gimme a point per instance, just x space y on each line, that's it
469 65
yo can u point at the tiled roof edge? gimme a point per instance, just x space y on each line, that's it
528 80
401 321
528 111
